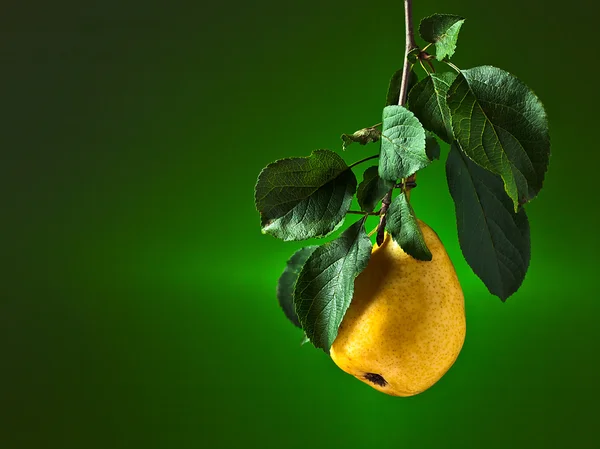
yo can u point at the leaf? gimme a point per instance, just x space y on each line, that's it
402 144
326 283
432 146
427 100
402 224
287 281
393 93
362 136
501 125
441 30
372 189
493 238
304 197
304 340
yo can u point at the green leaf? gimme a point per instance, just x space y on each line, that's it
326 283
362 136
393 93
402 224
304 197
304 340
441 30
372 189
432 146
501 125
287 281
402 144
427 100
493 238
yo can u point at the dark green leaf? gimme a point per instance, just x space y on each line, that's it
441 30
303 197
402 144
493 238
362 136
372 189
326 284
428 102
393 93
432 146
402 224
287 281
501 125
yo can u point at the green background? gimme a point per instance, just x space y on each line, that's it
138 301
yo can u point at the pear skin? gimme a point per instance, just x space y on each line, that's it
406 323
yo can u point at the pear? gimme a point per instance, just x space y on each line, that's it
406 323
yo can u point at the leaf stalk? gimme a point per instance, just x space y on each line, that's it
363 160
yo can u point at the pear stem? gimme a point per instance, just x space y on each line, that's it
410 46
385 204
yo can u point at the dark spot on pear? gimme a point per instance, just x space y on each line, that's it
376 379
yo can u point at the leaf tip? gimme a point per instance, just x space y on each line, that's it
426 256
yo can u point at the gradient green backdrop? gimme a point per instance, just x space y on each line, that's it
138 295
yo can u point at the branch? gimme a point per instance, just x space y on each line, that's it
410 46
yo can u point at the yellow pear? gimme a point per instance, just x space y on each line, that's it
406 323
